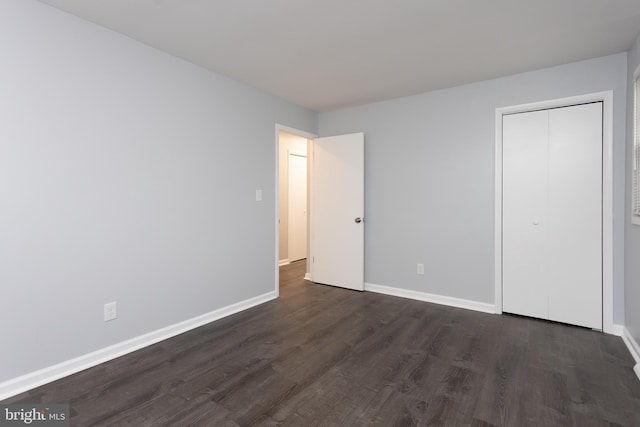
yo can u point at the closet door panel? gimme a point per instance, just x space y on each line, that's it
524 213
574 246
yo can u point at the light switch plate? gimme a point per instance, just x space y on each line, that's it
110 311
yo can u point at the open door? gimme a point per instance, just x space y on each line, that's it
337 211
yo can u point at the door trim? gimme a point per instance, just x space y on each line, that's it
303 134
607 194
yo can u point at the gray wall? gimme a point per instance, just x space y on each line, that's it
125 174
632 236
430 176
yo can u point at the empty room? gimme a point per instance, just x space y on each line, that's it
332 213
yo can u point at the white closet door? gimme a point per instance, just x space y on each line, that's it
575 217
552 214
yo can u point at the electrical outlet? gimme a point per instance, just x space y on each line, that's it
420 269
258 195
110 311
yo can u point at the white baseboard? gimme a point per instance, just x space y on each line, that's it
35 379
617 330
634 349
631 343
307 276
437 299
283 262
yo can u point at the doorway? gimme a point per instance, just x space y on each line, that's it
292 196
297 209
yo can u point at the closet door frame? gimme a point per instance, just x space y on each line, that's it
607 195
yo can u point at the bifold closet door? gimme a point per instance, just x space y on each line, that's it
552 214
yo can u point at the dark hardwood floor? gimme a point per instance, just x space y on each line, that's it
327 356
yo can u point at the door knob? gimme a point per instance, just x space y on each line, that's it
358 220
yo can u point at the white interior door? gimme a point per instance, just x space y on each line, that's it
297 207
552 214
337 211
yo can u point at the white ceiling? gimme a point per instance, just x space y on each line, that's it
327 54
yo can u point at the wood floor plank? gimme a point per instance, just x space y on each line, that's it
500 401
325 356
